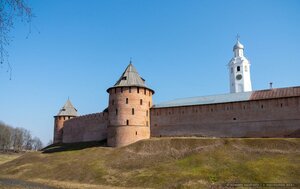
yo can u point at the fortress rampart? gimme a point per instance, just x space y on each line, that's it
278 117
91 127
129 115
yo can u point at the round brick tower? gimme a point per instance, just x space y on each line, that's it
129 109
65 113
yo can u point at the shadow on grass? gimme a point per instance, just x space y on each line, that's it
62 147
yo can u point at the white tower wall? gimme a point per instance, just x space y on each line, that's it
239 71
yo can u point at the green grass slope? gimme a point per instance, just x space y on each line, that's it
165 163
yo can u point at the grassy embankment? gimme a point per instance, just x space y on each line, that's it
6 157
163 163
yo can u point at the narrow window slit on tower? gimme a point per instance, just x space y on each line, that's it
238 68
144 91
132 111
116 111
129 89
138 90
127 122
126 100
141 101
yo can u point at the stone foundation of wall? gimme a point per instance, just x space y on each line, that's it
124 135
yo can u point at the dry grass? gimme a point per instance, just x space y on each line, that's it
6 157
163 163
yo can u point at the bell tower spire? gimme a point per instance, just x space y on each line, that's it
239 70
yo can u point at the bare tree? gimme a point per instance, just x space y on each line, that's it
27 139
37 144
5 135
9 11
17 139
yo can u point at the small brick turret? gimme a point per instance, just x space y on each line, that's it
129 109
65 113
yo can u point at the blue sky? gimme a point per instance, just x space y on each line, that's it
79 48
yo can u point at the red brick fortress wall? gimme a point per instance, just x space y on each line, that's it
277 117
129 115
91 127
58 127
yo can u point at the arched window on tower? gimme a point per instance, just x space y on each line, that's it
238 68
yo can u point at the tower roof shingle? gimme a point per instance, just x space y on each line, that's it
67 110
130 78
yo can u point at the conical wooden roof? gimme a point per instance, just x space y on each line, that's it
67 110
130 78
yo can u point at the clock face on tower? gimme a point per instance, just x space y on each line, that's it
239 77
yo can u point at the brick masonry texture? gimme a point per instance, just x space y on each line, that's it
91 127
130 117
257 118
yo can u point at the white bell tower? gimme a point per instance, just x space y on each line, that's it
239 70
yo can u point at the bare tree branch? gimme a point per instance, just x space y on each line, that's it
9 11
